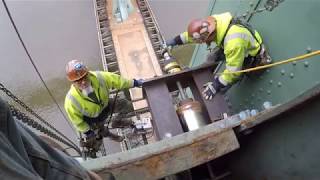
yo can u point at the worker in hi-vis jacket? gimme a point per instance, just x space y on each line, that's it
87 102
239 44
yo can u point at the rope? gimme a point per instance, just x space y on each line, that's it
297 58
35 67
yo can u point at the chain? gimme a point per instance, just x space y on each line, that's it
268 6
32 123
17 100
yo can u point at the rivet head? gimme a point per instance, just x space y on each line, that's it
271 81
260 89
251 4
269 92
306 64
268 70
167 135
279 84
291 75
294 63
283 72
253 95
309 49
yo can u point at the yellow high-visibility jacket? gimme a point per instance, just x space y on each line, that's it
78 105
238 44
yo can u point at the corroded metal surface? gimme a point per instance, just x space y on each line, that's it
168 156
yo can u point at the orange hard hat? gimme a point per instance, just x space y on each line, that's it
76 70
200 29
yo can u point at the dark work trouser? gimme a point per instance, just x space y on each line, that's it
25 156
122 107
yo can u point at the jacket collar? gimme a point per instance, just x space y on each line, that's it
223 21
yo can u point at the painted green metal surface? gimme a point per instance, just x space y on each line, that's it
285 148
289 30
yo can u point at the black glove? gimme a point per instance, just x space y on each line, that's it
137 82
90 134
212 88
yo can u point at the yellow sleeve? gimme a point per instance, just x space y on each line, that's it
234 60
185 38
116 81
75 117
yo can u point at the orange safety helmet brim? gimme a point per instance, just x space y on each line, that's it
75 70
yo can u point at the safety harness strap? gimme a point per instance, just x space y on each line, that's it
241 36
238 21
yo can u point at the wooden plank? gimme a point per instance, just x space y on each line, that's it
168 156
135 55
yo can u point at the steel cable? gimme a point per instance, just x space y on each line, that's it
31 60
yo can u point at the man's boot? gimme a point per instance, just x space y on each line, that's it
120 122
115 137
112 136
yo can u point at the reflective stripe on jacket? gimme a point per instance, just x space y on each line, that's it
238 43
78 105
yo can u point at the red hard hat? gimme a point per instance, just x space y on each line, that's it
201 28
76 70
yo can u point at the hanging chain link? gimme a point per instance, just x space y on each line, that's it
27 120
34 124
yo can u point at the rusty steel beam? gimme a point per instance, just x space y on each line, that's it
168 156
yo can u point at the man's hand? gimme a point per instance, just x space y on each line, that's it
137 82
209 91
166 49
212 88
90 134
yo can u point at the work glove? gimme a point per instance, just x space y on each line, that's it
137 82
212 88
165 49
90 134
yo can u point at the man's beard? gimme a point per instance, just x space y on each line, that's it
87 90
